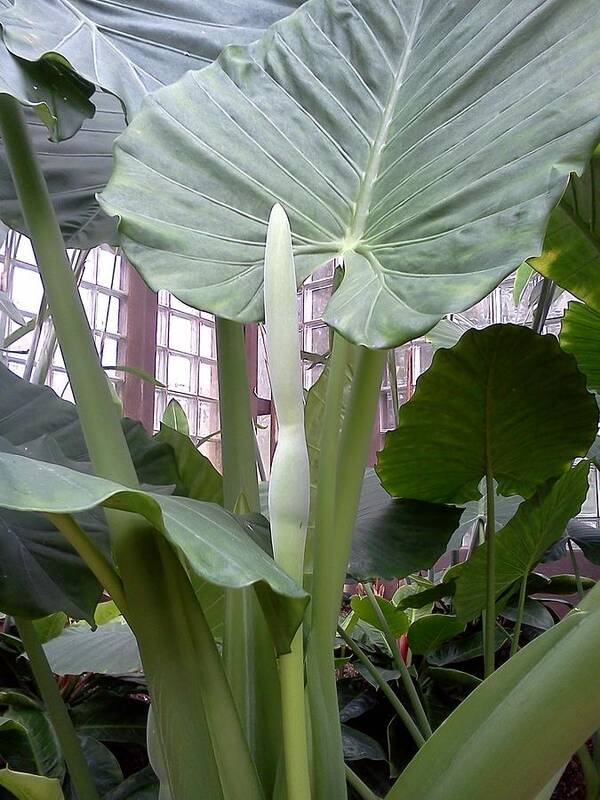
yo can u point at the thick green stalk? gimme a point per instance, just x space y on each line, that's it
400 665
248 652
489 649
395 701
289 487
520 611
101 426
328 758
153 578
341 471
61 721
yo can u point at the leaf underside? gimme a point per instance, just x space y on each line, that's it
416 140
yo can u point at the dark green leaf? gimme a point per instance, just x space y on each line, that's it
535 614
50 627
428 633
579 335
198 478
586 535
41 751
467 417
453 677
364 120
394 538
357 745
103 765
428 596
142 785
111 718
520 545
463 649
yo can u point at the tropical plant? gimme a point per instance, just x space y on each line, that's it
423 145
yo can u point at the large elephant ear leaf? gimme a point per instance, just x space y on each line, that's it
406 136
467 419
127 49
24 786
571 254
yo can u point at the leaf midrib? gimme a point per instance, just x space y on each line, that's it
356 228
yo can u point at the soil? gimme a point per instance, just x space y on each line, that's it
572 784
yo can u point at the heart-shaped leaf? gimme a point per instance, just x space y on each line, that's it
406 137
520 545
485 407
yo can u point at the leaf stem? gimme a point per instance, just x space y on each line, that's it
341 473
489 652
395 701
106 442
576 570
61 721
520 612
359 786
590 773
93 557
400 664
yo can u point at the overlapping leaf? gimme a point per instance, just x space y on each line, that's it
571 254
127 49
394 538
520 545
580 336
485 407
211 543
416 140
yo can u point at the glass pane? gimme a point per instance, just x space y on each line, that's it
326 271
109 351
180 373
25 251
27 289
87 299
315 302
109 269
207 380
590 506
208 418
317 340
480 314
17 367
207 341
107 313
161 327
160 403
89 270
182 334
